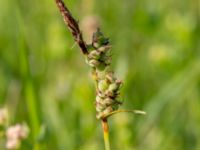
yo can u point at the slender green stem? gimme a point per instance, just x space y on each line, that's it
29 92
139 112
106 133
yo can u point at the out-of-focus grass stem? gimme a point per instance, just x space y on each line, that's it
28 86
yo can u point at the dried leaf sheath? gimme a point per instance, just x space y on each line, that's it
72 25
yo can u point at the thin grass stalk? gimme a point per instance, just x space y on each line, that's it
106 133
29 92
30 97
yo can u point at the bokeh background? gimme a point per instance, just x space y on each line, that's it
45 82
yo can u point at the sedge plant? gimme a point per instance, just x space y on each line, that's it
98 57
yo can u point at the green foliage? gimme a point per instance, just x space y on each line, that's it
156 52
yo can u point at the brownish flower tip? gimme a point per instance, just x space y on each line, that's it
72 25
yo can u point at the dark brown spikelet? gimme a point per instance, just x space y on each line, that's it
72 25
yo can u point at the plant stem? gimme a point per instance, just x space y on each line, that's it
30 95
106 133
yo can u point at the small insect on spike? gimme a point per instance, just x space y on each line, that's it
98 39
96 35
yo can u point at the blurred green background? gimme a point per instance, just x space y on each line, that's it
156 52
